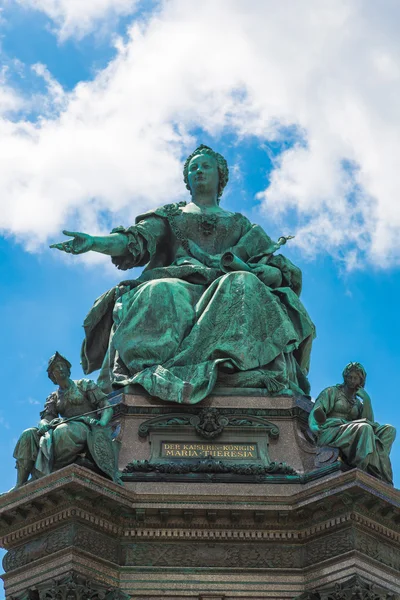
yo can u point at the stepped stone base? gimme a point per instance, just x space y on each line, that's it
74 535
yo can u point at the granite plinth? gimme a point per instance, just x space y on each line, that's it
163 539
183 546
288 442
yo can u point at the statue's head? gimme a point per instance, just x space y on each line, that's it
222 167
58 365
354 375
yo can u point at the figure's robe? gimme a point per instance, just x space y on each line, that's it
65 441
186 323
351 428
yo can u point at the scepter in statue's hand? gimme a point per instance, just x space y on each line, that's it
282 241
265 257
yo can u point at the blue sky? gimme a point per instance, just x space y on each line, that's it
96 120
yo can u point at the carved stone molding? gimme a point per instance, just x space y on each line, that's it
385 553
208 423
351 519
71 587
329 546
354 588
309 549
209 465
27 595
196 555
340 542
77 536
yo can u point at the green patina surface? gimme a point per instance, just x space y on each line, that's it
74 423
343 418
214 304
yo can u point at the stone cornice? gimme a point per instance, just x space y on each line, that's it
76 494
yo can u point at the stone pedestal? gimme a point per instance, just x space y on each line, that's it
197 529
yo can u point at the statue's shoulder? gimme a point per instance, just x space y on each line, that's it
96 396
333 389
330 391
86 385
238 216
243 222
168 210
52 398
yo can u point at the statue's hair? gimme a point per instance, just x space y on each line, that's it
355 366
57 357
222 165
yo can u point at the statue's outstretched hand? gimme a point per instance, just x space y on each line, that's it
81 243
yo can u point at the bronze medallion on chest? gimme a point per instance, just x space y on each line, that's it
207 224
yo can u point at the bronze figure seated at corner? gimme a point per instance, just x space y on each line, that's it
342 417
66 432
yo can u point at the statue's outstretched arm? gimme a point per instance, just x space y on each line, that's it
114 244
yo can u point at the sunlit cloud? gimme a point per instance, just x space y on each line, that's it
114 146
76 18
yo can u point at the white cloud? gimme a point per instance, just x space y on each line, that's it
33 401
330 70
10 100
80 17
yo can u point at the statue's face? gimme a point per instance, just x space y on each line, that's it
203 174
60 371
353 380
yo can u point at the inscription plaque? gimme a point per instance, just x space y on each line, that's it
202 450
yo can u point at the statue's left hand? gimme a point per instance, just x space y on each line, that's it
270 276
81 243
362 394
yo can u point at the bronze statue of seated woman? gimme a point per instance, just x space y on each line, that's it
214 304
343 418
